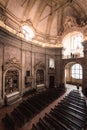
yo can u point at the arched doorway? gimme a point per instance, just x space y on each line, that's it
73 73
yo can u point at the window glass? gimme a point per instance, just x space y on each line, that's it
51 63
72 44
76 71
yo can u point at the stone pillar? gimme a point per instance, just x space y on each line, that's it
58 73
84 84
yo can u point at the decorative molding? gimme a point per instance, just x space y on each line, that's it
40 64
85 31
13 62
3 15
69 23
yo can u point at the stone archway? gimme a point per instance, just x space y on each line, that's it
73 73
73 61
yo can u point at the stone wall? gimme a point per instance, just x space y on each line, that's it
17 53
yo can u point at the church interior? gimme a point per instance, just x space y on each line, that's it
43 65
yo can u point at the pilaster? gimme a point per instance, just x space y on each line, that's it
58 74
1 75
85 66
46 72
23 69
32 68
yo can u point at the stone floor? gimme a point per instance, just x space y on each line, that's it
28 125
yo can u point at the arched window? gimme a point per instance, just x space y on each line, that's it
72 44
76 71
76 42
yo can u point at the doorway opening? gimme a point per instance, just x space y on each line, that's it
51 82
73 73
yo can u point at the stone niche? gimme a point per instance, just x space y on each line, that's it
28 81
11 81
40 76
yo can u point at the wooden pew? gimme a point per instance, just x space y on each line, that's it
73 109
9 123
75 102
18 120
57 124
42 125
26 112
69 112
65 120
75 122
74 105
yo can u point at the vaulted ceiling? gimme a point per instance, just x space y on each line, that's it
47 17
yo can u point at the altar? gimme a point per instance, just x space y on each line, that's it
12 98
41 87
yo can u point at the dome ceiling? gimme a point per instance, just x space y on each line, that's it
47 17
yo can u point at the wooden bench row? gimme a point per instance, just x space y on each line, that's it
9 123
26 110
67 115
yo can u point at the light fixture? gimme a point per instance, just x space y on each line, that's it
28 32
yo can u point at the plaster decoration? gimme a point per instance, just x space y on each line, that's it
82 23
11 51
47 39
85 31
13 62
40 57
38 15
40 64
27 22
59 40
69 23
3 16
